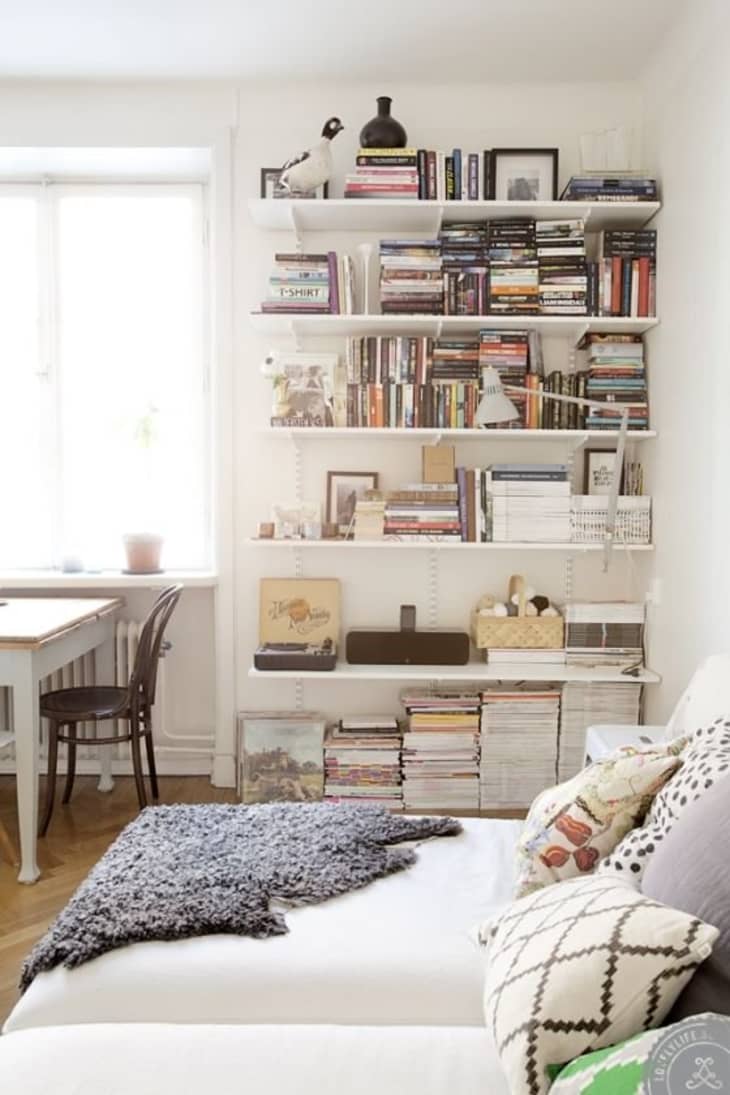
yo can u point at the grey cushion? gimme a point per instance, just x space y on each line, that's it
690 870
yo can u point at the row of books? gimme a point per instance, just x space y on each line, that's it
419 173
311 284
600 187
421 511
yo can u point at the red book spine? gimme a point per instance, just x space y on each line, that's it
644 270
616 281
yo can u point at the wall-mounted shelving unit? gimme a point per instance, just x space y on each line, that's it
479 672
432 435
399 545
336 326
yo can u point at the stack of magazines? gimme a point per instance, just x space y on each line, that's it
519 745
441 750
362 761
591 704
609 633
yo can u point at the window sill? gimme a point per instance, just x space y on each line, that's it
103 579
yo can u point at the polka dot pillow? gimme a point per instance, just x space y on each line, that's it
705 760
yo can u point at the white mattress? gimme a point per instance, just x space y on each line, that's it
397 951
139 1059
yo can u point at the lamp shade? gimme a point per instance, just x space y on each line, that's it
494 406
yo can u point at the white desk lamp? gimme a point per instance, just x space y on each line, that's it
494 407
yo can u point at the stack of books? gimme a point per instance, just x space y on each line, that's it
308 284
362 761
369 518
441 750
627 272
529 502
519 745
590 704
508 353
553 415
609 633
411 277
455 375
616 376
561 254
466 269
514 276
617 187
384 173
422 512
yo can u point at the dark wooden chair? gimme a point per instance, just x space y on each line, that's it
67 707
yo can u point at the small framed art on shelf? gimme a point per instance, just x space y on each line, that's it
524 174
343 490
271 188
600 466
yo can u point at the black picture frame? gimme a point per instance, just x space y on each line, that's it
545 154
268 189
604 456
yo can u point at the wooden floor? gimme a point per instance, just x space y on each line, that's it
78 835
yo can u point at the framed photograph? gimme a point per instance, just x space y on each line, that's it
303 391
299 610
270 187
524 174
600 465
343 490
283 760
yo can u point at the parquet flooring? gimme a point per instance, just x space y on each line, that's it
78 835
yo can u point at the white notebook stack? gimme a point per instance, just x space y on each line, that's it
589 704
519 741
529 502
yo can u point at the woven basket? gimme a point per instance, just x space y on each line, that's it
520 632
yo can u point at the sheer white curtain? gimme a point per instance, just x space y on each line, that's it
103 375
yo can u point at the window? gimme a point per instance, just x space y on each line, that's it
104 409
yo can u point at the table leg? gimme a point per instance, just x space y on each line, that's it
104 667
26 721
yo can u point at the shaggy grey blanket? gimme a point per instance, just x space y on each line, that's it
181 871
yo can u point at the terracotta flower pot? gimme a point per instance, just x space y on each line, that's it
143 551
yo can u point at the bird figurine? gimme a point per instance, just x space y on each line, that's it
313 168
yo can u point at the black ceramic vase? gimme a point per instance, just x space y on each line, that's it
382 131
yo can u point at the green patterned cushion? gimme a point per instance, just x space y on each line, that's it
693 1055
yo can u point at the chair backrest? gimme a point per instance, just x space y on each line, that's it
143 681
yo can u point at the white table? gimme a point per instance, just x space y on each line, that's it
604 739
39 635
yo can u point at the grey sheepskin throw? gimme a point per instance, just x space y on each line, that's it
181 871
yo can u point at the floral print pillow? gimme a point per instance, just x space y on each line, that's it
573 826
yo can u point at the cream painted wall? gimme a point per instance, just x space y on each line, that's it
687 106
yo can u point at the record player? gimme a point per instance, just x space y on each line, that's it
304 656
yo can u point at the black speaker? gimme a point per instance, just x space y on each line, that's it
406 646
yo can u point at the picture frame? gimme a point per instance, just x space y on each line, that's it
523 174
299 610
599 466
282 760
269 186
343 490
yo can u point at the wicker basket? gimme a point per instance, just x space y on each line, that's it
520 632
589 517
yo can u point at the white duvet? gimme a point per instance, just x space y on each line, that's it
398 951
134 1059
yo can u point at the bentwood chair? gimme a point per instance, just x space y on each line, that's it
67 707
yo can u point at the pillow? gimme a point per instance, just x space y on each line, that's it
571 827
705 760
630 1067
690 870
579 966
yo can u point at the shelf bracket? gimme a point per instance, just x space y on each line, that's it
296 225
437 439
587 214
582 332
298 471
580 442
296 334
299 694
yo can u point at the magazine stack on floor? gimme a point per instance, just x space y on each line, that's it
511 775
590 704
441 750
362 761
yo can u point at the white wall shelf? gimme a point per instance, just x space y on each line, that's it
396 545
473 671
364 433
549 326
395 216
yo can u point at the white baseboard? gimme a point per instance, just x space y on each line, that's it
224 770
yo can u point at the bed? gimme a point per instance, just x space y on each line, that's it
399 951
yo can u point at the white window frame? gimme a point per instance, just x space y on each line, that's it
48 193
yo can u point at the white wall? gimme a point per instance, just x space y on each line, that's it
687 107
